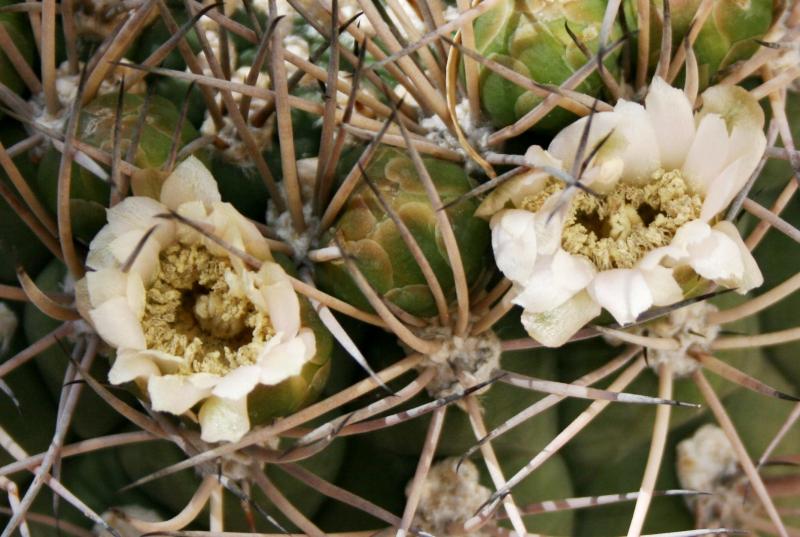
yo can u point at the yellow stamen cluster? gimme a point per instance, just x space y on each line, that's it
617 229
191 312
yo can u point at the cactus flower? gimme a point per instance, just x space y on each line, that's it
650 228
192 325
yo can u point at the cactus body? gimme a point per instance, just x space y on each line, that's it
530 37
372 239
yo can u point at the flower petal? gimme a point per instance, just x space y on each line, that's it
177 393
146 262
751 277
640 151
623 292
555 280
100 255
118 325
189 182
129 366
238 383
602 178
550 223
553 328
139 213
723 188
564 146
282 361
673 119
708 153
281 299
106 284
224 420
663 287
512 193
514 243
717 258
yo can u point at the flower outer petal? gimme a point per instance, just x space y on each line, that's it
604 177
131 365
622 292
555 280
550 223
118 325
717 258
238 383
309 341
100 255
283 361
640 152
283 306
82 301
673 119
514 243
724 188
190 181
708 154
565 145
734 104
752 276
139 212
178 393
147 262
512 193
223 420
663 287
167 363
105 284
253 242
553 328
136 294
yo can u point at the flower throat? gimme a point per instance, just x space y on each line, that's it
191 312
617 229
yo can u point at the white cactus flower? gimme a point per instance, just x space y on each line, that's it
191 323
663 176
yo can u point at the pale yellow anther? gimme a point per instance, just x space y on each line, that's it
617 229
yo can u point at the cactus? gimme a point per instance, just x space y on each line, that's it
350 291
729 34
370 235
532 38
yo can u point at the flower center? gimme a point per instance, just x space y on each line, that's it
192 312
617 229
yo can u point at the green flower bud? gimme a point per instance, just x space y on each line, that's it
372 239
530 36
728 35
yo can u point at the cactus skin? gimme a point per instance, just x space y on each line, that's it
20 33
18 243
780 257
172 493
530 37
610 454
372 238
728 35
93 416
89 193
